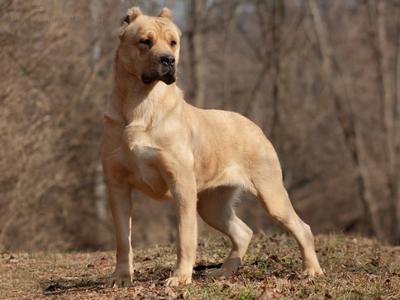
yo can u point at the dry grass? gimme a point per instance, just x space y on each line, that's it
356 268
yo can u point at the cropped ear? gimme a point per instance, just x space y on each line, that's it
166 13
131 15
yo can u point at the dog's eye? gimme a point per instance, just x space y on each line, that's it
146 42
173 43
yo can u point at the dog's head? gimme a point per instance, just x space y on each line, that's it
149 46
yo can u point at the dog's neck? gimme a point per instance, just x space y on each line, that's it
137 104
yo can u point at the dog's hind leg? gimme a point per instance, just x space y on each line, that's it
272 194
216 209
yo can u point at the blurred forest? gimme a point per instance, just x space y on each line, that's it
322 78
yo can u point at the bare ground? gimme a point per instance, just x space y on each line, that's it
356 268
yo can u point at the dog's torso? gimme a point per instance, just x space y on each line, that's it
175 133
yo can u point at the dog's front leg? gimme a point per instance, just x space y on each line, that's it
120 203
185 195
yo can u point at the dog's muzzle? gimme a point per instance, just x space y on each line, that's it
165 71
167 68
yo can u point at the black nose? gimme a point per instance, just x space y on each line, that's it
167 60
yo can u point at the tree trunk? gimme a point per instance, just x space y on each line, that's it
278 13
195 46
388 112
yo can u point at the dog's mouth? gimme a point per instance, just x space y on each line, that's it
166 76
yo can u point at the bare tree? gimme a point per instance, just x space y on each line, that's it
388 106
196 16
345 116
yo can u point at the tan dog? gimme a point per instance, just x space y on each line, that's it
157 143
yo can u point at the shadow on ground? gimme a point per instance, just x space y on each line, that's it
62 285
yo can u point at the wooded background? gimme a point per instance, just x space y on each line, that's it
322 78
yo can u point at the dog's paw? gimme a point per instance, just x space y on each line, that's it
313 271
119 281
230 266
178 280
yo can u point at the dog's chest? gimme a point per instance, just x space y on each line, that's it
144 156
